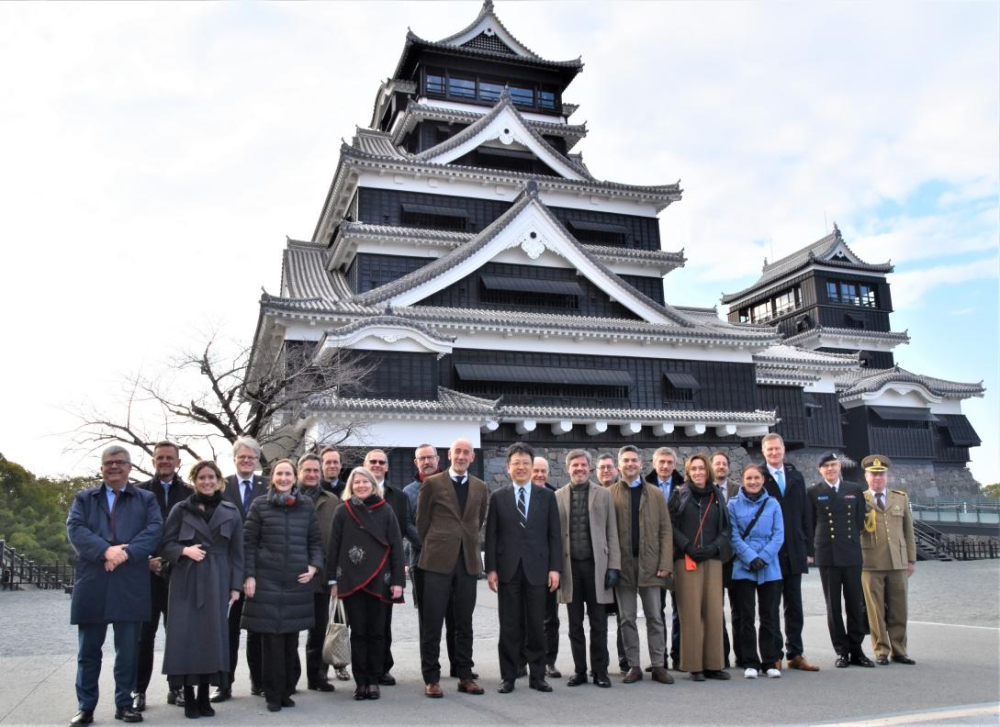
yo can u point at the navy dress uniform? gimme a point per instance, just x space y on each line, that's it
838 517
890 554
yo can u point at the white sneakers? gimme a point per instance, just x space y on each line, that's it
750 673
774 673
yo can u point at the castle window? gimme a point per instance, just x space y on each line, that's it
489 91
744 315
761 312
787 301
867 296
679 386
434 86
849 294
461 87
599 233
832 292
547 100
522 96
434 217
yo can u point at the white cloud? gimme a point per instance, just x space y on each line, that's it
910 287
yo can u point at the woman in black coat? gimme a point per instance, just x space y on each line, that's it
365 566
283 553
701 545
203 539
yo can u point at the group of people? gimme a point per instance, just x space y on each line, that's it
267 556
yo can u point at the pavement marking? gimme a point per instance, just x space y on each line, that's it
957 626
936 715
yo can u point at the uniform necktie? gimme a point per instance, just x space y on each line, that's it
779 476
522 508
878 500
247 487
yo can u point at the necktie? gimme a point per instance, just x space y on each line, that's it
247 487
522 508
114 505
878 500
458 480
779 476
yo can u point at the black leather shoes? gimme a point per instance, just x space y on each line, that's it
576 680
374 692
602 680
719 674
287 702
522 672
387 680
862 660
882 660
84 716
127 714
138 701
506 687
321 686
842 661
539 685
220 695
903 660
551 672
175 697
256 691
697 676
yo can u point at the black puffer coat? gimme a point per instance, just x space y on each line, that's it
281 542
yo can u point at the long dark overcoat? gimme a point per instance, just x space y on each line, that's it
198 612
100 596
280 543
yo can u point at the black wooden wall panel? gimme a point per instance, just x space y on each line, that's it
650 287
787 402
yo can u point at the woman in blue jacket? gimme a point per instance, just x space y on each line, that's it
757 532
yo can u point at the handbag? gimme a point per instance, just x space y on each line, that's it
337 642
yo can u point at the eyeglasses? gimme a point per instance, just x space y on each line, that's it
378 461
115 463
427 458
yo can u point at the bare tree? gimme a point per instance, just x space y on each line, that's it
210 396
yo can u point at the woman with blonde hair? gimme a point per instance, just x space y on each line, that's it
203 539
283 554
701 546
365 570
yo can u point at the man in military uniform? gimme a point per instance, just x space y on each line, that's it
837 510
890 557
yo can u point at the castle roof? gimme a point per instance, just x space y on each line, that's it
854 385
828 251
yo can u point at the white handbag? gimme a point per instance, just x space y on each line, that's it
337 642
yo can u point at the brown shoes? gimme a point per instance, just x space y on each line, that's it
468 686
433 691
799 662
634 675
662 676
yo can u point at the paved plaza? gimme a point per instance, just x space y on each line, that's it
954 635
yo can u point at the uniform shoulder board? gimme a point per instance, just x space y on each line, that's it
900 492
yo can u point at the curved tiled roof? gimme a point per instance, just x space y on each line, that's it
679 416
388 319
470 132
302 277
784 354
869 381
416 111
449 402
890 336
804 257
445 263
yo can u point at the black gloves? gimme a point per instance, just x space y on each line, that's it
757 565
699 555
611 578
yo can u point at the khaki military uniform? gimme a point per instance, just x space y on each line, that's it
886 554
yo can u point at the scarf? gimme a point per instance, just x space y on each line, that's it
289 499
752 497
209 502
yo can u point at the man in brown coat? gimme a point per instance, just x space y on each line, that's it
889 555
451 509
310 476
645 538
591 565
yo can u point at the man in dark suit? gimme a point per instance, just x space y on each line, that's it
837 512
788 487
523 561
451 509
242 489
114 529
168 489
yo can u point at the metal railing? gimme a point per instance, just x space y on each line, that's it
972 549
985 512
17 571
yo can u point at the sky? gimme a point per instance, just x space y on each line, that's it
154 157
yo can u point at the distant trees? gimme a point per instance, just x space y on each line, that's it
33 513
992 491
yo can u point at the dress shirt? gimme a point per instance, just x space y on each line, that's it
835 486
779 477
665 486
723 491
110 494
636 483
455 476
